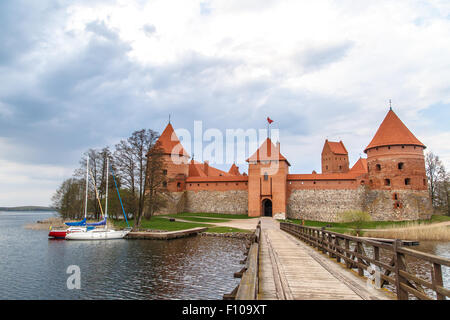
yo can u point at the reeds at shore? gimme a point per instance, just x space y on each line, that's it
412 231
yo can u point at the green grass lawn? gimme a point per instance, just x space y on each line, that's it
350 226
226 230
199 219
158 223
212 215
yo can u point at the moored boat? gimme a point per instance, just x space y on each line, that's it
90 232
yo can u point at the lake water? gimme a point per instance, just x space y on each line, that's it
34 267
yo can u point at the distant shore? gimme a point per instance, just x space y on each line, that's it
28 208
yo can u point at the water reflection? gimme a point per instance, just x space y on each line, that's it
191 268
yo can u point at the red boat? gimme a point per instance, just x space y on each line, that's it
61 233
57 234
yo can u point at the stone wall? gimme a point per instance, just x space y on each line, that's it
231 202
175 203
323 205
395 205
382 205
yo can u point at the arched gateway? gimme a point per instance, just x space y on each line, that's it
267 207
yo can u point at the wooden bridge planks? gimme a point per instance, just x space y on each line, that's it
300 275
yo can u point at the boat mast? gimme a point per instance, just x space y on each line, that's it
87 186
107 178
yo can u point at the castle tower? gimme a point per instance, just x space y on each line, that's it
334 157
395 157
267 183
176 159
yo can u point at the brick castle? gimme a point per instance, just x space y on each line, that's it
390 183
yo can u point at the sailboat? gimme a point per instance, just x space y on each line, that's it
78 226
105 233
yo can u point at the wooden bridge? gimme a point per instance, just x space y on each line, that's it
292 262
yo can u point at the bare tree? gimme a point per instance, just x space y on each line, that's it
155 179
69 199
437 181
97 166
130 158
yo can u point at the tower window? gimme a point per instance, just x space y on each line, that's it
165 172
387 182
424 182
164 184
400 165
266 176
326 167
407 181
378 167
395 196
178 185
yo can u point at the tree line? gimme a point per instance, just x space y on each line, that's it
137 165
438 183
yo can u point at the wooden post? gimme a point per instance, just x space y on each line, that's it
330 245
436 276
347 254
337 246
399 265
358 259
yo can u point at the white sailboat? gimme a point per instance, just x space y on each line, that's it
73 226
104 233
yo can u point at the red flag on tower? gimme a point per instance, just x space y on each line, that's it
269 120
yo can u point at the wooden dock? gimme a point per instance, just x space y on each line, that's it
165 235
287 261
290 270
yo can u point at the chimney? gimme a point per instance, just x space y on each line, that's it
206 167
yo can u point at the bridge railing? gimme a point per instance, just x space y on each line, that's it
249 284
351 251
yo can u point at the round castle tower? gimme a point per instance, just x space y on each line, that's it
395 157
396 171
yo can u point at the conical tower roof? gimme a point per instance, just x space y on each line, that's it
393 131
169 142
268 151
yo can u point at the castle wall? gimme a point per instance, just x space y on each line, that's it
175 203
230 201
323 204
395 205
382 205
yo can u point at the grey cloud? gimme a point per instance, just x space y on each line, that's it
315 58
149 29
100 29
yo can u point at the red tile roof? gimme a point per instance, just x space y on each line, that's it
234 170
268 151
218 179
170 143
337 147
393 131
197 169
360 166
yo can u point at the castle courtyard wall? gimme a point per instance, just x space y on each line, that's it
328 205
230 201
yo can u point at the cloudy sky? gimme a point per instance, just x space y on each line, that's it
84 74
